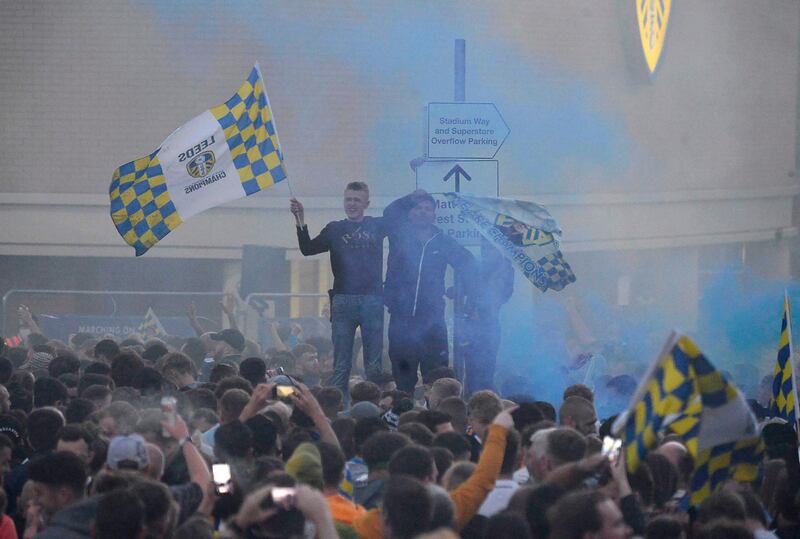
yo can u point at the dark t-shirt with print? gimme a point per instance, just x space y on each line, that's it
356 250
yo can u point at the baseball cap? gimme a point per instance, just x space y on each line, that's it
305 465
127 451
11 427
233 337
363 410
39 360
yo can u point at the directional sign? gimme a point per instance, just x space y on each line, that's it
479 178
465 130
458 172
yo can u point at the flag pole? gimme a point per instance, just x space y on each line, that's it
619 423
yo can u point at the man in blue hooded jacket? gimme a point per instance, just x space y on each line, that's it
419 254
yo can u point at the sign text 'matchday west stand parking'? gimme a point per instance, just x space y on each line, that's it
477 178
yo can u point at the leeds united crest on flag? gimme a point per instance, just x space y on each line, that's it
201 165
653 17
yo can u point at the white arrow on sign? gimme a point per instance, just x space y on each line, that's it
478 178
465 130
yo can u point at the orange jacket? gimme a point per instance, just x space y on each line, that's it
467 497
344 510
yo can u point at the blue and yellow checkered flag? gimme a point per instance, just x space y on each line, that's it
734 461
228 152
783 402
523 232
151 325
684 394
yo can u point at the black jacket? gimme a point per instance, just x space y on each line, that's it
73 522
356 253
415 269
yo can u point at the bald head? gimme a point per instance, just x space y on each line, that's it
578 413
674 452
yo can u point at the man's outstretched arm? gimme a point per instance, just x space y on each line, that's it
396 213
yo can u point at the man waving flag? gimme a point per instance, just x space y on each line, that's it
228 152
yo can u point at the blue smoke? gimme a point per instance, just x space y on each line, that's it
740 321
400 55
738 326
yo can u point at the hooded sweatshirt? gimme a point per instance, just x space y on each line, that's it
73 522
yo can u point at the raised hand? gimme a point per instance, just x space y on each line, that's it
178 429
228 303
25 316
296 207
305 400
504 418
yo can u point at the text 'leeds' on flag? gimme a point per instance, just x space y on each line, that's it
683 393
524 232
228 152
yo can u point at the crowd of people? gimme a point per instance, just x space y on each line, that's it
211 436
118 438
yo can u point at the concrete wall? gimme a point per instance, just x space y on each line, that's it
88 85
658 183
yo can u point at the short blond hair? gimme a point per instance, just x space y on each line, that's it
357 186
484 406
447 387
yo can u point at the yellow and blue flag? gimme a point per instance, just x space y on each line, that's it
228 152
683 393
151 325
524 232
783 402
734 461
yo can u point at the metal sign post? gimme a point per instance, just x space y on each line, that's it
459 94
462 140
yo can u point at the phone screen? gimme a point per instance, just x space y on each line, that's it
283 497
611 447
222 477
283 392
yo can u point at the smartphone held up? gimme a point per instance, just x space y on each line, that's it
222 478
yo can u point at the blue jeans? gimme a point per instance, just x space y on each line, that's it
349 311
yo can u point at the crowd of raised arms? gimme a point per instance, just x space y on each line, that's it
209 437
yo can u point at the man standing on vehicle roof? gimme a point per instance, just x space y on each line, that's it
414 289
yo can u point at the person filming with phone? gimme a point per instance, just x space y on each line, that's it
273 511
